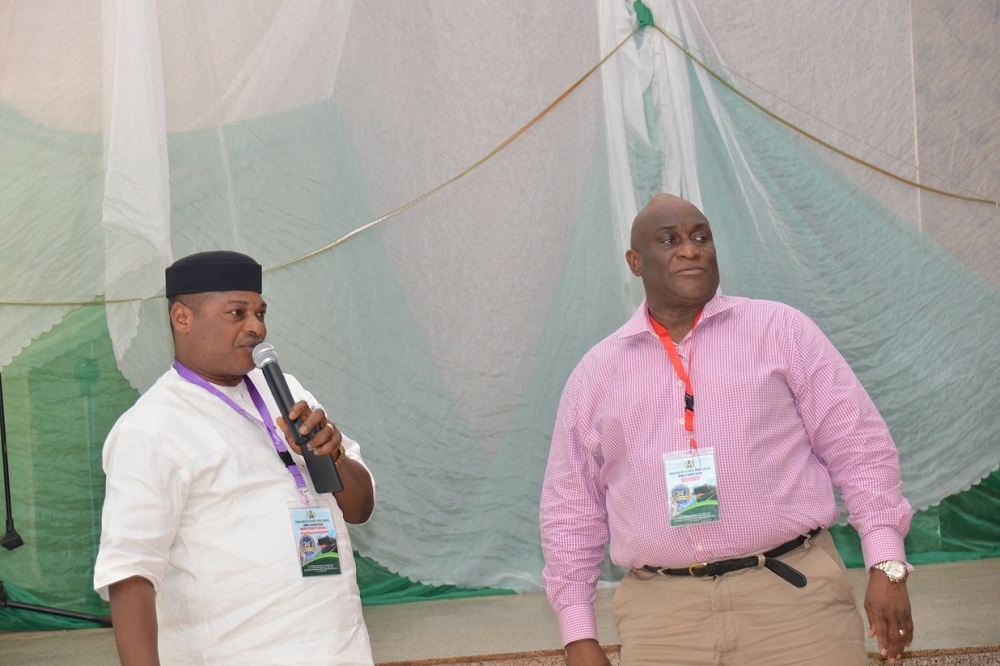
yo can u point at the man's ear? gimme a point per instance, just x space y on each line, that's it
180 317
634 262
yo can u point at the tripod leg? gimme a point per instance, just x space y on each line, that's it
103 620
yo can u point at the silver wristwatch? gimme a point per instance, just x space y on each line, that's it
894 569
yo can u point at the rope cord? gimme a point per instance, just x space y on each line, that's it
524 128
475 165
405 207
812 137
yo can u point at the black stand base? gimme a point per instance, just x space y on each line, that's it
103 620
11 539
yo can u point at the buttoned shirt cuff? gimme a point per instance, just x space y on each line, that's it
881 545
577 623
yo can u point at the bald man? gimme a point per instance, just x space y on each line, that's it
703 441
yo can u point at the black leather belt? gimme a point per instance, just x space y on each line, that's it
763 560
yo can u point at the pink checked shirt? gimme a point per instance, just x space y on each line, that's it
787 420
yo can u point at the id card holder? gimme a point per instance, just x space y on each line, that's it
692 490
315 538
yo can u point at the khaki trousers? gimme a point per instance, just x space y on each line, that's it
743 618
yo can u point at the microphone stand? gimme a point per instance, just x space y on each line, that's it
12 540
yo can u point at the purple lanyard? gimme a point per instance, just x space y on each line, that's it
265 418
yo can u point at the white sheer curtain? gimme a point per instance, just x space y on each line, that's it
136 132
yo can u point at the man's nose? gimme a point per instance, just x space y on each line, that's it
689 248
255 326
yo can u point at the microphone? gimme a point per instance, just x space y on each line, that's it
324 473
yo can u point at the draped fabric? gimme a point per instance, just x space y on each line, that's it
441 195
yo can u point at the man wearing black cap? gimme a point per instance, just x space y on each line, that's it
202 548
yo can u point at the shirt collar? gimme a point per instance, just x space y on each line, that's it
639 323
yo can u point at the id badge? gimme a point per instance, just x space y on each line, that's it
692 490
315 538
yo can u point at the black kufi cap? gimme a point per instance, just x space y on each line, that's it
218 270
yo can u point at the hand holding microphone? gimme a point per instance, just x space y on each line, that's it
321 468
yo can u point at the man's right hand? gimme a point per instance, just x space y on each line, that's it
586 652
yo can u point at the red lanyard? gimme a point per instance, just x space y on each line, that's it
675 360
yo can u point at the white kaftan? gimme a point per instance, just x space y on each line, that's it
197 502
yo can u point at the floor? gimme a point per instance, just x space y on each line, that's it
956 611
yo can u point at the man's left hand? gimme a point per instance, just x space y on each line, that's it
357 499
888 607
324 441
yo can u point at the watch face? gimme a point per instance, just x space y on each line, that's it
895 570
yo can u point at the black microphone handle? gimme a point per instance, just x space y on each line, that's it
324 473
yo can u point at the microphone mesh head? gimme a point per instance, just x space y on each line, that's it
263 354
